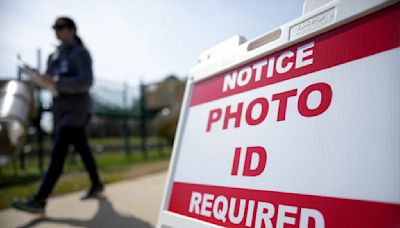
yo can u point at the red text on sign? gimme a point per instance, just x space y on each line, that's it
254 162
235 113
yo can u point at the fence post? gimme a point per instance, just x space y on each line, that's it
21 153
125 121
40 134
143 133
39 117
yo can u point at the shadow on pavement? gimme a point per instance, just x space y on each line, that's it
106 216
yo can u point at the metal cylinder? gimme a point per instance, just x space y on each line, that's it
15 110
15 101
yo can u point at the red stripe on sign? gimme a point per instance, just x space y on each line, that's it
235 207
369 35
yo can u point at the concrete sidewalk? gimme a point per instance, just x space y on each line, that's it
132 203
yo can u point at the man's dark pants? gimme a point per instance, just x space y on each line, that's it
64 138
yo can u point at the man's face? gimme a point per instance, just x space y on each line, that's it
64 34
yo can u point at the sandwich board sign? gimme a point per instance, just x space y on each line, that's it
299 127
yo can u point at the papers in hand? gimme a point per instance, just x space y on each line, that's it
36 78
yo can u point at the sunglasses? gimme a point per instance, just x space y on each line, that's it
59 27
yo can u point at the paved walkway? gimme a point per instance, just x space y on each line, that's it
132 203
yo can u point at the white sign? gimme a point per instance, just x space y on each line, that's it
307 136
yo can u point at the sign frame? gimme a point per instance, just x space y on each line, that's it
236 52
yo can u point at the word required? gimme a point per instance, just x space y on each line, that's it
246 110
251 213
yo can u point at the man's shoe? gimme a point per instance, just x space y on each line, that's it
94 192
30 205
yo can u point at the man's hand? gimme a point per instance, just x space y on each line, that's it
47 80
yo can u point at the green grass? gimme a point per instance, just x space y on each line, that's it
121 140
112 167
118 140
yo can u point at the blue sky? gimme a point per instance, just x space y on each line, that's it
136 40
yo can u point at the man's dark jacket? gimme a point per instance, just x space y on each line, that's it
72 67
